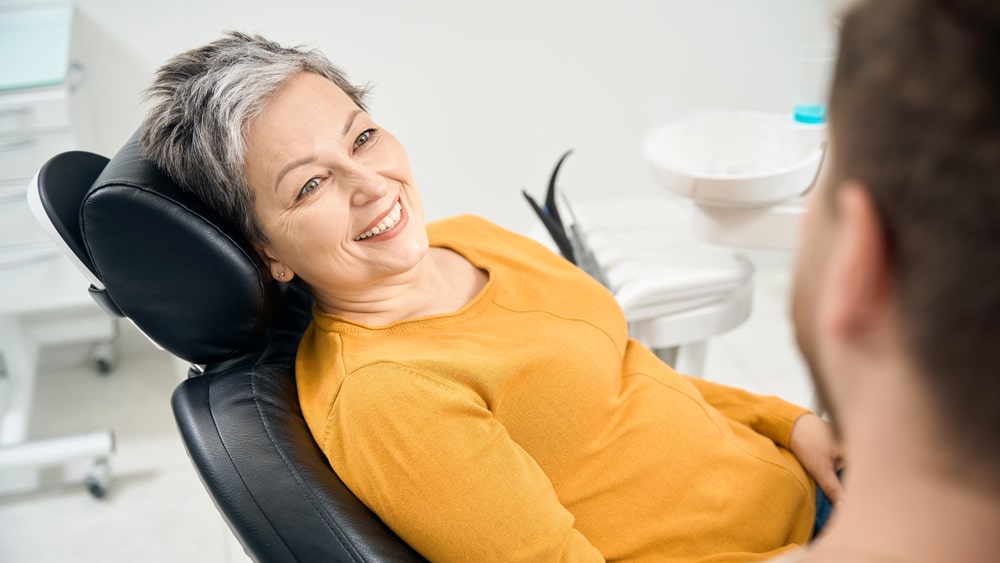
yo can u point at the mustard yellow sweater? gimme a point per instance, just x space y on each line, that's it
528 427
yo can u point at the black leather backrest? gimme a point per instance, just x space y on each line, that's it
185 277
244 430
63 182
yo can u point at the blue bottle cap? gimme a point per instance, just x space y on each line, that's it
810 114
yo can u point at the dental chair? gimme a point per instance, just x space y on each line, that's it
192 284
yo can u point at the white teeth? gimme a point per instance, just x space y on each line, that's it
385 224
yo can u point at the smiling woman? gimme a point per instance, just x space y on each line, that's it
478 392
337 205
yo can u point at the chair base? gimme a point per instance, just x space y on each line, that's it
21 464
21 460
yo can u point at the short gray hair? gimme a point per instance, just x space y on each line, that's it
206 99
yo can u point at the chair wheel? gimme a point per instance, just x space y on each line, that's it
105 356
98 478
96 489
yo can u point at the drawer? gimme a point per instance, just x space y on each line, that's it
22 239
21 156
34 110
13 189
18 226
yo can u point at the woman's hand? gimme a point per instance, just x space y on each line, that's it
819 453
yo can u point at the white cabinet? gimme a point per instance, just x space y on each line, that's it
34 125
43 299
43 111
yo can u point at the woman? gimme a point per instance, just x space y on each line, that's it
478 392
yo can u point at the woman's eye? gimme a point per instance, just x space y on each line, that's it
311 185
363 138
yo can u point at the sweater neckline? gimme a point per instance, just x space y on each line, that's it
337 323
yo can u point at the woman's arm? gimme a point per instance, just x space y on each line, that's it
434 464
794 428
769 416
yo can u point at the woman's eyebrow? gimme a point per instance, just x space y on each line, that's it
291 166
350 122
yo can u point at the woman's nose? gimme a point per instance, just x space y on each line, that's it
366 185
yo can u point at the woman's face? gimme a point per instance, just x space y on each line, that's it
333 192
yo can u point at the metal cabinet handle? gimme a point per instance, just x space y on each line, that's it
19 144
22 254
14 112
11 193
76 75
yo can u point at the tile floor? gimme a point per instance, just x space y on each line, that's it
157 509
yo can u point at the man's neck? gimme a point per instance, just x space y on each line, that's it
900 505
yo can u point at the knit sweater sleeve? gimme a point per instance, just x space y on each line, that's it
431 460
767 415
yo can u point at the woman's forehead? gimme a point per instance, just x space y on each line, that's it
307 113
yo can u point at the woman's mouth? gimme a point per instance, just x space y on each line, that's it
385 224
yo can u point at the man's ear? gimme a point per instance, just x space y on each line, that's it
278 269
859 271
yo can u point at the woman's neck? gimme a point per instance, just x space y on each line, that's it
442 283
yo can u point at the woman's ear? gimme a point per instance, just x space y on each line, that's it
279 270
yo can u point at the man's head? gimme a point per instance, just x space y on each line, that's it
903 235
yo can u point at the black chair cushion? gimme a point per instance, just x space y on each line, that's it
65 180
190 280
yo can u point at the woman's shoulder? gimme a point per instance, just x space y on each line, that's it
461 226
470 232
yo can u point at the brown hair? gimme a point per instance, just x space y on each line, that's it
915 116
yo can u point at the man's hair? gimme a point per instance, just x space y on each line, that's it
915 118
206 99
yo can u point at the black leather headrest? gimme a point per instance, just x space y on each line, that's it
185 277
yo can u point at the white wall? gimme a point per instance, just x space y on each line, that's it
486 95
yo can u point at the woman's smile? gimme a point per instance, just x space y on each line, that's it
380 228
